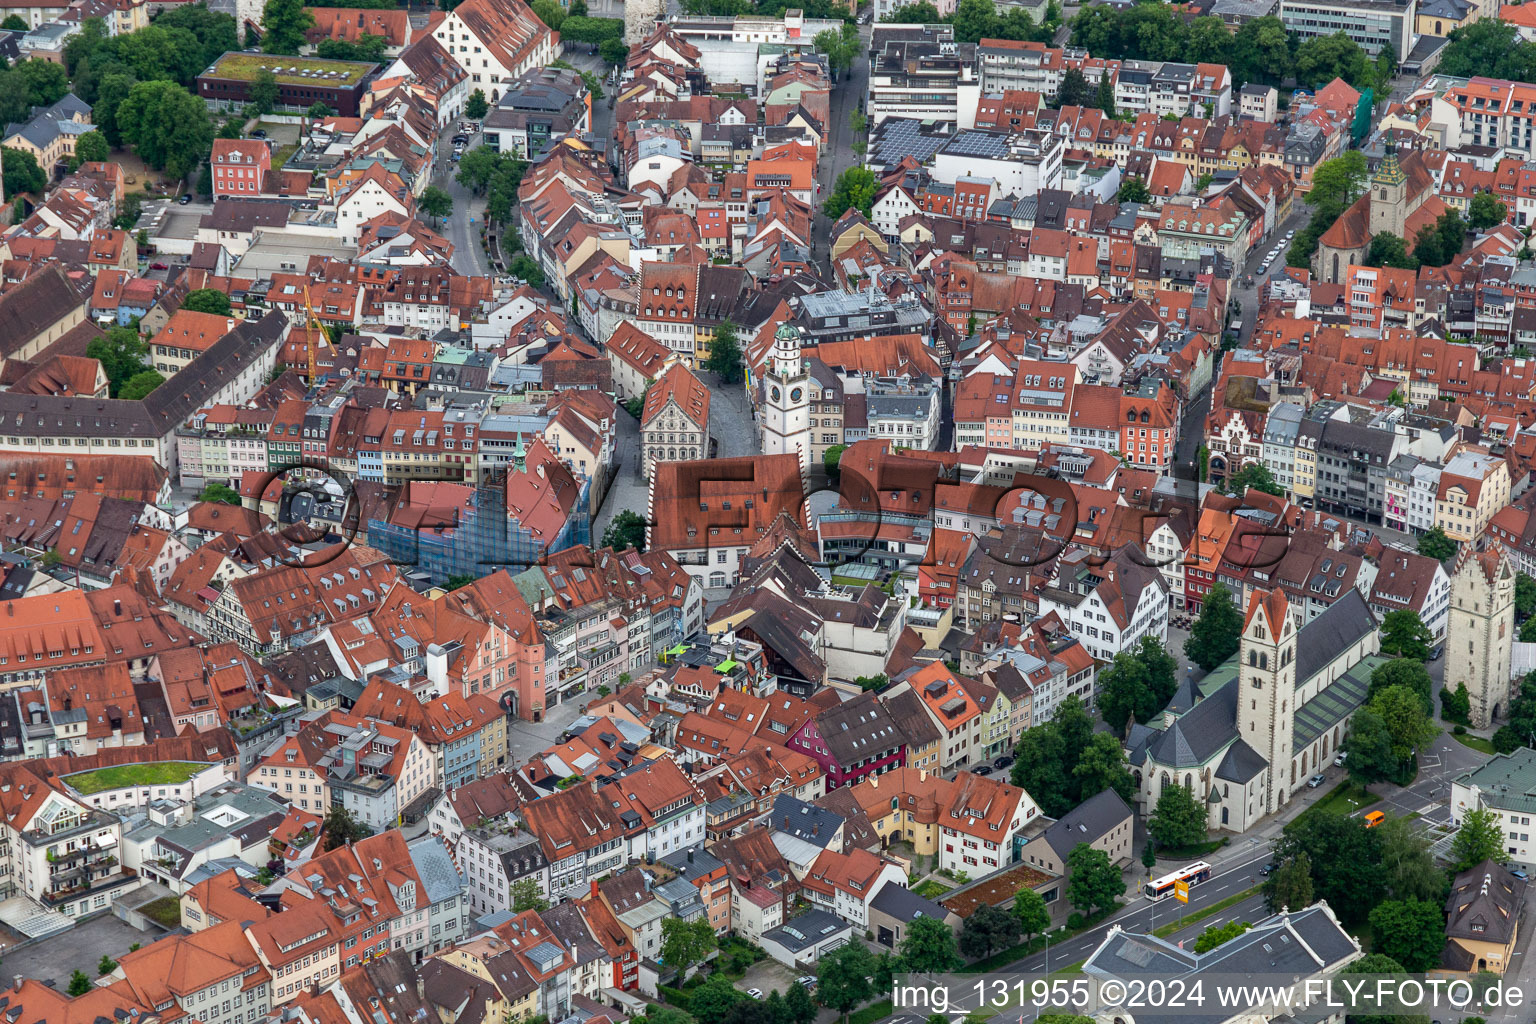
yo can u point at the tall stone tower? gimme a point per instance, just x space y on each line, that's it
640 18
786 422
1389 194
1481 629
1266 698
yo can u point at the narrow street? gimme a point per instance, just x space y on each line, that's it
463 227
837 156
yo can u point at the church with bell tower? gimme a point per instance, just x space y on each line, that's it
1399 199
785 420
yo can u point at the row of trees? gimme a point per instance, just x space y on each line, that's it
975 20
121 352
1261 51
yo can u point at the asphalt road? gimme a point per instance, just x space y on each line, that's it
463 225
837 156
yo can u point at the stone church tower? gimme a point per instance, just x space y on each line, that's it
1266 697
786 408
1481 630
1389 195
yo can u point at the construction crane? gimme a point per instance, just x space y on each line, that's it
311 325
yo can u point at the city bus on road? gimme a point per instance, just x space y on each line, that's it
1194 874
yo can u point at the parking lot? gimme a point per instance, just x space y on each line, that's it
767 976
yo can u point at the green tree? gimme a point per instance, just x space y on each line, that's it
798 1007
550 13
1456 705
79 984
832 457
1133 190
1407 721
140 384
215 31
686 943
1368 746
613 51
264 92
1095 883
21 173
283 24
527 895
1214 637
1338 182
1124 693
1254 476
855 189
1402 672
528 269
167 126
1345 859
1485 211
1217 934
1388 250
1323 58
1410 868
342 827
714 1000
46 82
121 354
922 12
974 20
220 493
830 42
1179 820
842 978
988 928
436 202
92 147
1412 932
1033 913
1101 766
458 580
1521 728
1480 838
14 23
318 110
476 106
1435 544
110 94
106 965
1074 91
1104 99
1525 595
1290 885
724 359
1493 50
626 530
207 300
929 947
1404 635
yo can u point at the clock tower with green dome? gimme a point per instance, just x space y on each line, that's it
786 417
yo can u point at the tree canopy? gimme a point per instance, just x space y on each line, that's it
1063 762
1433 543
1216 633
207 300
166 125
1094 884
283 24
855 189
1179 819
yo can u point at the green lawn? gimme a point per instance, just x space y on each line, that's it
1188 853
1477 743
932 889
282 153
155 773
1345 798
244 66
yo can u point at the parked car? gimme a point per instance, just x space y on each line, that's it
158 266
184 199
1270 868
258 133
1338 762
1436 652
1519 873
461 140
1315 781
806 980
982 769
1003 762
755 993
